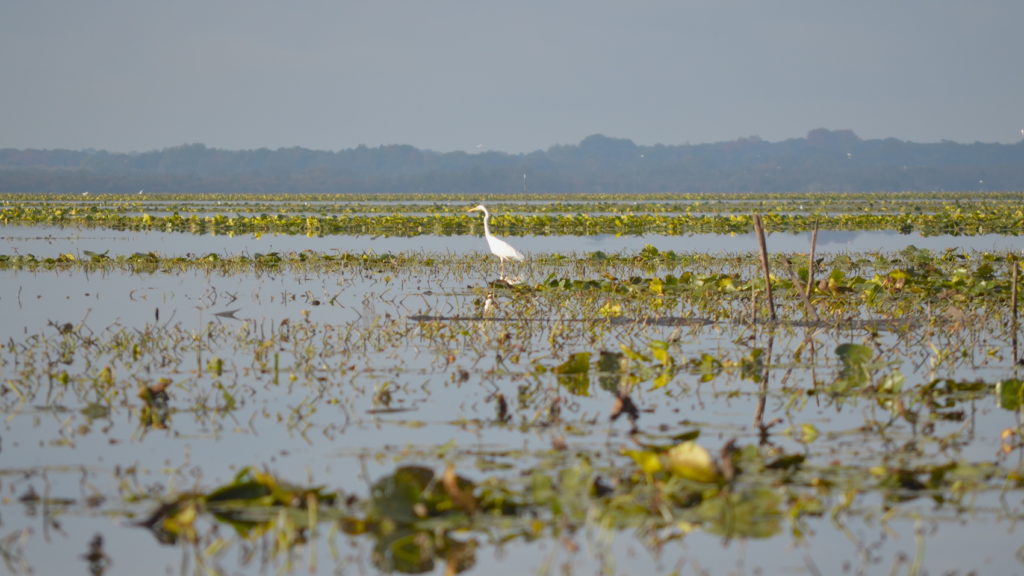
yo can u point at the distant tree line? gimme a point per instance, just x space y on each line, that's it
823 161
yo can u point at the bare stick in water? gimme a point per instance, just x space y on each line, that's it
759 230
1013 307
810 259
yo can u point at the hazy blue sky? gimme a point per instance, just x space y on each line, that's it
514 76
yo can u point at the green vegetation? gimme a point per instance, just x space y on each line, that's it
995 213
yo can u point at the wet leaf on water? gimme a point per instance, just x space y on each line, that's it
749 514
648 461
1011 394
97 256
891 383
405 552
805 433
95 411
855 372
395 496
416 552
578 363
611 362
662 379
256 493
572 374
633 354
650 441
413 493
215 365
946 386
659 350
253 500
691 461
248 504
899 484
786 462
175 519
707 367
576 384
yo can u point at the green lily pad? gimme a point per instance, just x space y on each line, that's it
1011 394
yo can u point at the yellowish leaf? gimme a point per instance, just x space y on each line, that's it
690 460
648 461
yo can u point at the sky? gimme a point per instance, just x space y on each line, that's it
510 76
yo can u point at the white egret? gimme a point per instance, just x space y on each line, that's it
503 250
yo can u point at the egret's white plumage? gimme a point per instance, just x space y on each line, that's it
503 250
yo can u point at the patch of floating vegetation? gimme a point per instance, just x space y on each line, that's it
397 203
652 284
960 215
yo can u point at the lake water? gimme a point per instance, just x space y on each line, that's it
42 241
320 416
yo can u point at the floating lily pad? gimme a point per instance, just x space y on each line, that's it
1011 394
689 460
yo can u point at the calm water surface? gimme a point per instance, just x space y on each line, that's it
43 241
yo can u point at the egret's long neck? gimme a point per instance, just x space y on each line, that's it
487 228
